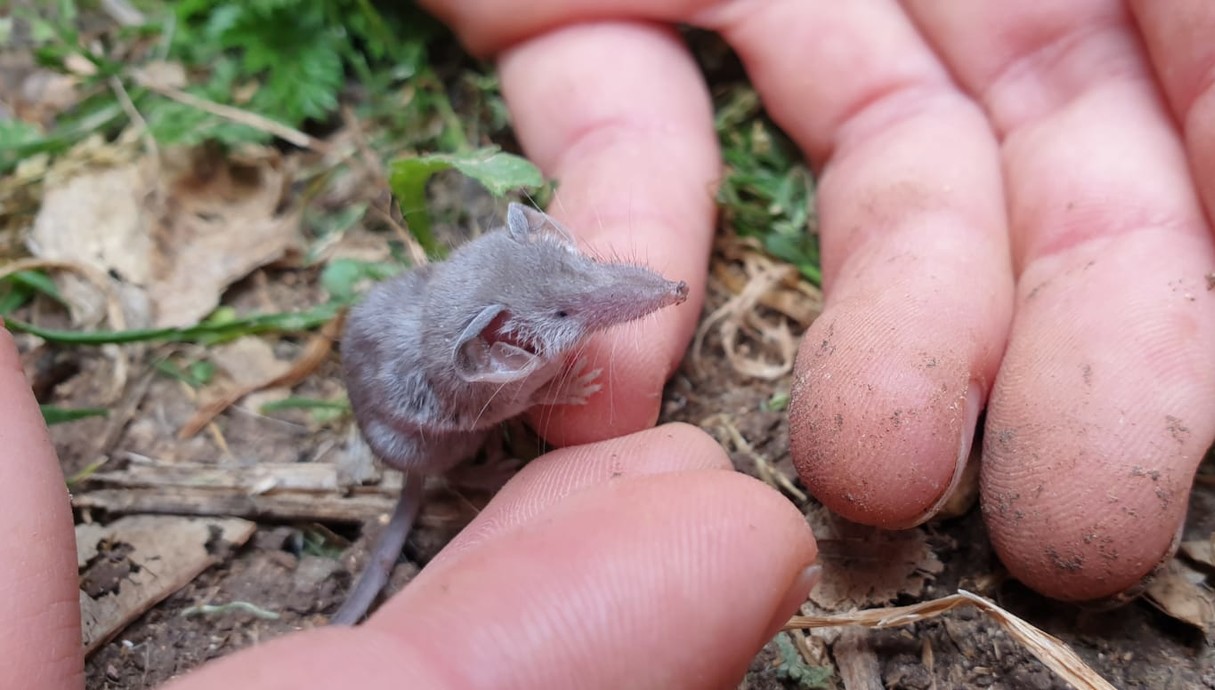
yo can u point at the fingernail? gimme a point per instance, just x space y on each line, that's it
791 603
960 495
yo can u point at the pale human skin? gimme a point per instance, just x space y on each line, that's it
1018 190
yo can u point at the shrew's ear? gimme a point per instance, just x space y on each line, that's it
481 359
526 224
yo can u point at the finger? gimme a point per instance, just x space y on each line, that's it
1104 402
1178 36
551 478
634 153
489 27
39 604
890 379
581 598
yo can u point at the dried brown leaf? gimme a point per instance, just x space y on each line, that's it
1180 592
865 566
181 232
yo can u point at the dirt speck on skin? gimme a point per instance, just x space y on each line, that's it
1177 429
1072 563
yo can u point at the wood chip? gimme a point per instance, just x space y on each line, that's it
857 662
292 505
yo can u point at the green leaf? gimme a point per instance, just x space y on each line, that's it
301 70
17 289
201 371
14 133
13 299
306 404
59 415
341 277
93 115
215 330
767 191
321 411
195 375
37 281
779 402
793 667
499 172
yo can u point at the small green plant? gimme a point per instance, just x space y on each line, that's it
793 668
52 414
321 411
779 402
498 172
767 192
195 374
18 288
286 60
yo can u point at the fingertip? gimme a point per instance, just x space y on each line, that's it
1101 413
584 595
880 427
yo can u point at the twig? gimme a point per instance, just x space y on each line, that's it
244 117
128 106
145 132
767 471
318 348
417 255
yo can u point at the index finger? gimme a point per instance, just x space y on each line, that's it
619 114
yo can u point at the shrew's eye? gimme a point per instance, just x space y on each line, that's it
562 314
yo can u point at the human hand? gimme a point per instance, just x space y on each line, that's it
582 566
1008 219
39 595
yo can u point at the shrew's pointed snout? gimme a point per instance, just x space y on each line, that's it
681 293
627 293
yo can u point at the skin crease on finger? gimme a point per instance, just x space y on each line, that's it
552 606
1103 406
39 601
1178 37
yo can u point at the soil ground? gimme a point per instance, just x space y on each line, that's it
301 569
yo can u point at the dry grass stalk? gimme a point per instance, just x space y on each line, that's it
1051 651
